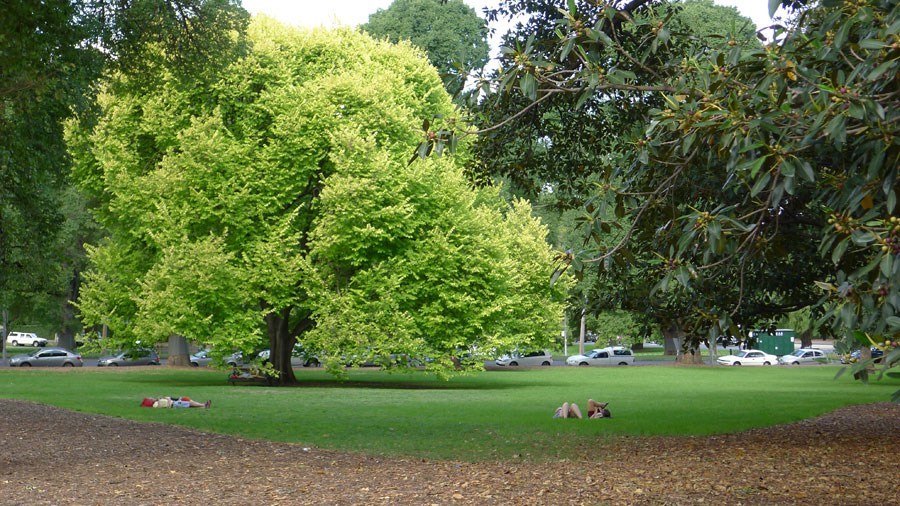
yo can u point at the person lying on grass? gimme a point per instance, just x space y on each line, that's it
173 402
595 410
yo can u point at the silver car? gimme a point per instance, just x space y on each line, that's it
804 356
48 357
203 358
130 357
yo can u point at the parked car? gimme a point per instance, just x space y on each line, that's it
531 358
48 357
299 357
877 353
804 356
141 356
748 357
612 355
25 339
203 358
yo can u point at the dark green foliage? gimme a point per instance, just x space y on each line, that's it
450 33
51 53
767 178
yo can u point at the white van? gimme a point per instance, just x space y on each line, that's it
25 339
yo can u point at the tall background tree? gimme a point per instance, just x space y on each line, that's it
450 32
51 53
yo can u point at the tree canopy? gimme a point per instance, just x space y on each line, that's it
452 35
276 205
754 156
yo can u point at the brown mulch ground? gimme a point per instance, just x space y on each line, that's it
54 456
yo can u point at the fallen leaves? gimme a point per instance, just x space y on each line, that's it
831 459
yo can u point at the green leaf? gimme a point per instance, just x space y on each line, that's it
836 129
786 168
715 230
841 36
893 321
529 86
757 164
886 265
861 338
871 44
572 9
862 237
875 166
839 250
663 35
806 171
683 275
567 48
760 183
773 6
879 70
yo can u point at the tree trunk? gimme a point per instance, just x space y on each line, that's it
581 339
281 345
66 340
3 334
690 356
671 336
713 351
178 352
806 339
865 353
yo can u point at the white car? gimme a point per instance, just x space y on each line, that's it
804 356
532 358
25 339
748 357
613 355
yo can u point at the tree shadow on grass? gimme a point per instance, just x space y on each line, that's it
190 379
401 385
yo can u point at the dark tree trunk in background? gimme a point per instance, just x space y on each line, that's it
806 339
66 335
691 356
178 352
671 339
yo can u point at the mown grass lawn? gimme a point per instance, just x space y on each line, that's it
486 416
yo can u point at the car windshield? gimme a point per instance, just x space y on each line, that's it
743 354
797 353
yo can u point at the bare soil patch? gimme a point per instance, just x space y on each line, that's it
56 456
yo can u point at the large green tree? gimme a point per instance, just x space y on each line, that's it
755 155
450 32
564 145
277 205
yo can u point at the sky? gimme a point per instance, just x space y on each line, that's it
353 12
